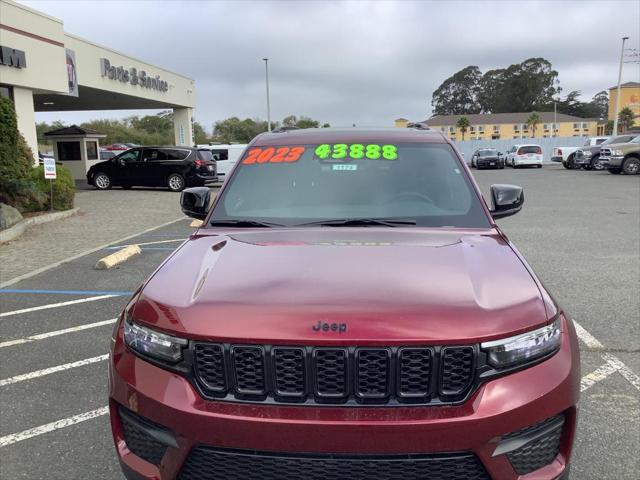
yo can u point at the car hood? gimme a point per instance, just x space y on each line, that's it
387 285
102 164
492 158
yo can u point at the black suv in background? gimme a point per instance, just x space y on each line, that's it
173 167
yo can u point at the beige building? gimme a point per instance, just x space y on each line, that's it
507 126
44 69
629 97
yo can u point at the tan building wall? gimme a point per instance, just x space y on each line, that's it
513 131
629 97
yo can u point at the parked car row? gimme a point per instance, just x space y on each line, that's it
517 156
617 154
173 167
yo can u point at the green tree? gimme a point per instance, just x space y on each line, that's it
522 87
463 124
326 125
300 122
533 121
458 94
600 102
625 119
235 130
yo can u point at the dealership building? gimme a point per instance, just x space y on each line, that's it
45 69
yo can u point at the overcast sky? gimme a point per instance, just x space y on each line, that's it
360 62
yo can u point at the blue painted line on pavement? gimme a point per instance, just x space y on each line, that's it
64 292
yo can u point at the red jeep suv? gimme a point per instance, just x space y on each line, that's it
349 309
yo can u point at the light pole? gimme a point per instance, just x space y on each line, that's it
615 118
266 72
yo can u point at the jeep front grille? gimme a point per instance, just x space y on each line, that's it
335 375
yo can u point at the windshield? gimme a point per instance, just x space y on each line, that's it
420 183
488 153
636 140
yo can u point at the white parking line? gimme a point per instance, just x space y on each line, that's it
50 370
55 333
87 252
597 375
50 427
613 364
153 243
56 305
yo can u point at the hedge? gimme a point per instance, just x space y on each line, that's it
64 189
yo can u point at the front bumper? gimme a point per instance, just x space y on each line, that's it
612 162
499 407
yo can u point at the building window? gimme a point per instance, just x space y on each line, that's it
92 150
516 128
452 129
472 128
6 92
546 127
481 129
576 126
69 151
496 128
525 127
443 129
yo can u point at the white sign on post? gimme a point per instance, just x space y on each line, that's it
50 168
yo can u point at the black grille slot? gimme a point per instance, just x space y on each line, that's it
414 372
209 364
339 375
372 373
541 450
289 369
138 441
456 370
331 372
208 462
249 372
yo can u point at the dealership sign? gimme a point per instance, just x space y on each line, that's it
132 76
12 57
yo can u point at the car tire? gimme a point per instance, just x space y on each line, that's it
102 181
175 182
595 163
631 166
614 171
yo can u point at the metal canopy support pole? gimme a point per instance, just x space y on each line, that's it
617 112
266 71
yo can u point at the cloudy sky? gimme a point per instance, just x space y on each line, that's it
356 62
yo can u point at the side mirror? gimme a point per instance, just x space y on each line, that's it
195 202
121 162
506 200
500 154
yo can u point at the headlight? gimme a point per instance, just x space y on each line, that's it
586 153
617 153
153 344
523 348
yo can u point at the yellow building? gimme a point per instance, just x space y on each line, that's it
629 97
507 126
401 122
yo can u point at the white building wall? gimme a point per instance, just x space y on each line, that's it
23 101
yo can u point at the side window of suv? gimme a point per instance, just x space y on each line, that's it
177 154
130 156
153 155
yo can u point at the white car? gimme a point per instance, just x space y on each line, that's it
526 154
225 155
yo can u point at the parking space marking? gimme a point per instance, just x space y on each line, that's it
154 243
55 305
588 339
63 292
87 252
597 375
625 371
613 364
50 370
55 333
50 427
143 248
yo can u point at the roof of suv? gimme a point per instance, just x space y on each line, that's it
350 135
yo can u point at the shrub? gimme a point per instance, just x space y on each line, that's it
64 190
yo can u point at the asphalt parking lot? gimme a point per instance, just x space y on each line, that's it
579 230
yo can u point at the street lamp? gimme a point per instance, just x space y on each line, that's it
266 71
615 118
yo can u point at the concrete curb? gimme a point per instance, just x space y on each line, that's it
17 230
118 257
196 223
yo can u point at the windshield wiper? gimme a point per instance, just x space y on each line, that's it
357 222
243 224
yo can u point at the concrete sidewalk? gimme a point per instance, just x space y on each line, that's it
104 217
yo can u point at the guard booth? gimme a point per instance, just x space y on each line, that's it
76 148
